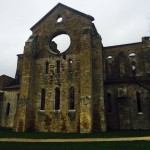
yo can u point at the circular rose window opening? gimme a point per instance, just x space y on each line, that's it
60 43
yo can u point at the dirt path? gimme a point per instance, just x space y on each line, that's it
75 140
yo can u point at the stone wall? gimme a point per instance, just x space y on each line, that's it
88 88
124 112
40 76
126 74
8 108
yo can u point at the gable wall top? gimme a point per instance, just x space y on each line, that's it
64 7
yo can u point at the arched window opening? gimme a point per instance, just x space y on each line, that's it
46 67
7 109
121 63
122 66
43 92
109 69
133 68
57 66
70 65
18 97
71 99
109 57
138 98
109 102
132 55
1 96
57 99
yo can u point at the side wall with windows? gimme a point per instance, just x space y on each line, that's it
9 106
127 107
127 86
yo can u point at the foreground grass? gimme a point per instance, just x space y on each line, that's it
5 133
134 145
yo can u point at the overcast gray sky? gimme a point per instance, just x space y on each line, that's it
117 21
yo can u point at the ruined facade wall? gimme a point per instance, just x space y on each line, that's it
109 85
38 81
62 120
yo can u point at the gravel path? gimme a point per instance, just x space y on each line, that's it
75 140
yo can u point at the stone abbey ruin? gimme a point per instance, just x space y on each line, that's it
87 88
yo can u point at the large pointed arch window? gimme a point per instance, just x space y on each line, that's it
138 98
57 99
43 92
71 98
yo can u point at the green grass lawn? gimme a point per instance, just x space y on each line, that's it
134 145
127 145
5 133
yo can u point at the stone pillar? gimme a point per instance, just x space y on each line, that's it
85 82
99 122
20 119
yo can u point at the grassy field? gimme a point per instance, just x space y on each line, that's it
5 133
134 145
128 145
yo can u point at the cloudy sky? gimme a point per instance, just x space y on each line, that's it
117 21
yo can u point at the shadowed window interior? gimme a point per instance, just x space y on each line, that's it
46 67
43 99
70 65
1 96
138 98
109 102
18 97
7 109
57 66
57 99
71 98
